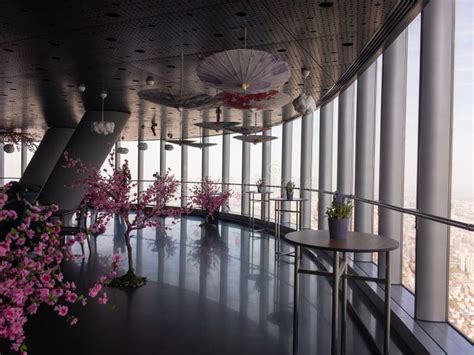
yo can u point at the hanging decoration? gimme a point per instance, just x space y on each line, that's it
304 104
247 130
180 99
254 102
121 150
169 147
181 141
218 125
244 70
255 138
17 139
201 144
102 126
142 146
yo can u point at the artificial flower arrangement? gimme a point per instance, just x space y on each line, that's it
109 192
31 253
209 198
260 185
339 214
289 187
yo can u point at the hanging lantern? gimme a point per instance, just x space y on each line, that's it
142 146
9 148
121 150
169 147
102 126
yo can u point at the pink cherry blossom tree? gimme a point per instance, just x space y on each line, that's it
209 197
31 255
110 192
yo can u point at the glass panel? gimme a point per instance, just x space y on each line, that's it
194 164
12 165
215 158
334 142
461 262
315 174
296 153
173 160
411 153
275 166
151 160
235 175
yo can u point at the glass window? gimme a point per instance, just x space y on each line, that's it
315 173
173 160
411 149
151 160
215 158
335 120
235 175
194 164
296 152
461 257
12 165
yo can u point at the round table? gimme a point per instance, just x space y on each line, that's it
355 242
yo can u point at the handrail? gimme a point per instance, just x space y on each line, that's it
447 221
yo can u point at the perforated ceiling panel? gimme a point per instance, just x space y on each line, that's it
46 50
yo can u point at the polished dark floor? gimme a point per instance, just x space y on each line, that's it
210 291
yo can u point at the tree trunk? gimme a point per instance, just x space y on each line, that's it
129 250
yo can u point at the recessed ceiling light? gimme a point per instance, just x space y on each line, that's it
171 66
140 50
112 14
122 69
54 44
241 14
111 39
281 50
218 35
56 58
326 4
8 50
347 44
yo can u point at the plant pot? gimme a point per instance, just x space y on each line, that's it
261 189
289 195
338 228
214 218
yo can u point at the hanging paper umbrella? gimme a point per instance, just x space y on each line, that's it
244 71
201 144
255 102
179 99
218 125
181 141
247 130
255 138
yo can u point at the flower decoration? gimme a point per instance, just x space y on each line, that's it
17 139
208 197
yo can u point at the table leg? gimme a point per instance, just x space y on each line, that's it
388 299
335 303
344 304
296 294
253 214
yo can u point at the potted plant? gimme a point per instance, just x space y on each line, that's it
210 199
338 214
260 185
289 187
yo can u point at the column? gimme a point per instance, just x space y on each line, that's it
205 151
245 174
286 157
2 165
365 153
325 161
226 157
345 140
163 141
184 161
434 159
24 158
306 167
118 157
266 159
141 152
392 143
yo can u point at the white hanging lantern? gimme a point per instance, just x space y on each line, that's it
9 148
142 146
169 147
102 126
121 150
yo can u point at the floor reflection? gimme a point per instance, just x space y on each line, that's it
211 290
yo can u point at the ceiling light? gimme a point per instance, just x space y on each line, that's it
150 80
81 87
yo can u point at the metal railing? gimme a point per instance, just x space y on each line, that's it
447 221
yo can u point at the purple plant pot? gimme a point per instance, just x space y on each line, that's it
289 195
338 228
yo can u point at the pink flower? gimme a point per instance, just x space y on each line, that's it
62 310
73 321
95 290
71 297
45 278
103 298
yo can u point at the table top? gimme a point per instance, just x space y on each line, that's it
284 199
355 242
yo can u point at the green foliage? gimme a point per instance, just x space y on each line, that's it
340 208
260 182
290 186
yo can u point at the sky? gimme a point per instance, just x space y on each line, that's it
463 127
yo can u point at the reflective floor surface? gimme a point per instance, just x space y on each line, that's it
210 291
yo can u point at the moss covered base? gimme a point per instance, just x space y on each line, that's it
129 280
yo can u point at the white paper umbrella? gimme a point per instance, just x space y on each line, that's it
255 138
186 100
202 145
254 102
247 130
244 71
218 125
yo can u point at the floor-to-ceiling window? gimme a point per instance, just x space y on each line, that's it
411 149
461 251
274 168
151 160
315 172
235 175
215 158
12 167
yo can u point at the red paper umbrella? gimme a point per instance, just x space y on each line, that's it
257 102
